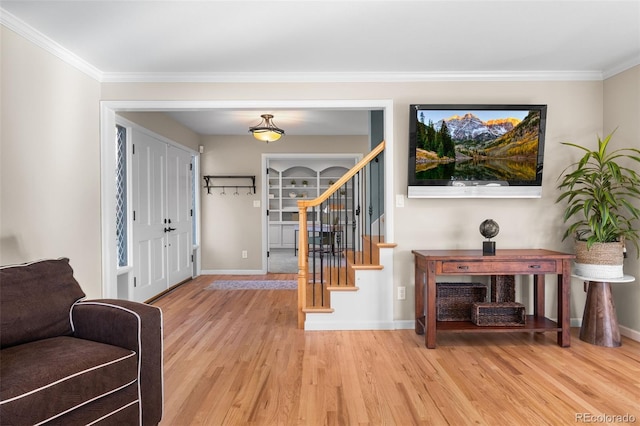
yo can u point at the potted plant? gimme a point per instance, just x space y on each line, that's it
293 182
602 199
305 183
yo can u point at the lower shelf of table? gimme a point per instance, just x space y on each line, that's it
532 324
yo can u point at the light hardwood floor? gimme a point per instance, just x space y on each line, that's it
237 358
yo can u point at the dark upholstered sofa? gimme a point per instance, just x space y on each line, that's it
65 360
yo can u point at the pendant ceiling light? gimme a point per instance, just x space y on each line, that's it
266 131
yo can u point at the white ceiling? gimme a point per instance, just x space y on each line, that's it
294 122
330 40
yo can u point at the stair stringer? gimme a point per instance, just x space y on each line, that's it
368 308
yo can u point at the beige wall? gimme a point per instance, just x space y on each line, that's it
164 125
50 173
230 223
622 114
575 114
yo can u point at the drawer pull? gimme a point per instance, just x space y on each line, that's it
463 267
534 266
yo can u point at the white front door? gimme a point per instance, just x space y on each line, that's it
149 211
162 225
179 215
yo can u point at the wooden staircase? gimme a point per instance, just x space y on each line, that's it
337 230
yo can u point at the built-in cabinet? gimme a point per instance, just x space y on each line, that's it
295 178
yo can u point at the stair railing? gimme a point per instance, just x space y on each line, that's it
337 230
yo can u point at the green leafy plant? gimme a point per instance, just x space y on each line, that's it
600 194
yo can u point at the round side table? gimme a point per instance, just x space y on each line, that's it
599 320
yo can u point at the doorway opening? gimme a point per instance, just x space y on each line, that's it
108 166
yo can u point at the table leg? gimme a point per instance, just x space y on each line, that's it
430 315
538 296
420 278
564 291
599 321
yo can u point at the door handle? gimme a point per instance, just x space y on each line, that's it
169 229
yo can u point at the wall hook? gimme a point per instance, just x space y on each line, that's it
209 182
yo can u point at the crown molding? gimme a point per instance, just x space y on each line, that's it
630 63
20 27
349 77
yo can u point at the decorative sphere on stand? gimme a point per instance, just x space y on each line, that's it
489 229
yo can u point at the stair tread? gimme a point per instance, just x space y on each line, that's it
318 310
367 266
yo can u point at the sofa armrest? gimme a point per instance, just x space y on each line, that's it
131 325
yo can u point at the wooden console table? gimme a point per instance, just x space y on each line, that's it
537 262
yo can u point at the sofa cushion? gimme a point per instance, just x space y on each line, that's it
46 378
35 301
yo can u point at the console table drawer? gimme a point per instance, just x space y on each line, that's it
503 267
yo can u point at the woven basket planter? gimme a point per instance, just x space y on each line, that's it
601 260
503 288
510 314
454 300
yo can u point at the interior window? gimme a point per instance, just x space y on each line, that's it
121 196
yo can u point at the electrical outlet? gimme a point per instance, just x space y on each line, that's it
245 254
402 293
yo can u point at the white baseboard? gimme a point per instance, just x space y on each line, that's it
630 333
404 324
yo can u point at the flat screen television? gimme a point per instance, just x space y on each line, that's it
485 151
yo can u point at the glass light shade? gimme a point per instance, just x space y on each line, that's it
266 131
266 135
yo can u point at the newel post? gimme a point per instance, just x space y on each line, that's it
303 263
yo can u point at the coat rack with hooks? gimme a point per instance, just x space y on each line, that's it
222 180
